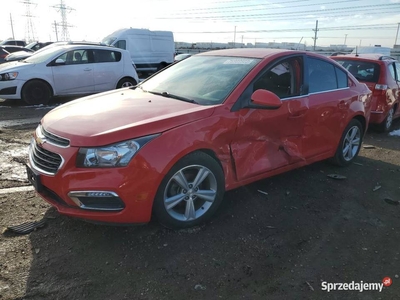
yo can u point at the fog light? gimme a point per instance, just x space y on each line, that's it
97 200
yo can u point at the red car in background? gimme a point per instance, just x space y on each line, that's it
176 142
382 75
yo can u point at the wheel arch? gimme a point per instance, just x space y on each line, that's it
42 80
125 77
362 120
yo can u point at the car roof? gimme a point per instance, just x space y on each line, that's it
367 56
250 52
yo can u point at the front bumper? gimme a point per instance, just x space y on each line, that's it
108 195
11 89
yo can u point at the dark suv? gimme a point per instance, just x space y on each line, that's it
382 76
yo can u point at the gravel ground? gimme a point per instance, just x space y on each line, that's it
309 229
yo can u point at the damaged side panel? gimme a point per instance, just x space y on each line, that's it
268 139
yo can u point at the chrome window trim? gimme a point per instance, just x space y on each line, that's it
346 88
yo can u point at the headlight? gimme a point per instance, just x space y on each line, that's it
115 155
8 76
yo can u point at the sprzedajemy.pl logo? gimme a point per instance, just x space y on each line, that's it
356 286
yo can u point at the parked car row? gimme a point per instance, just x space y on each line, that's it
172 145
69 69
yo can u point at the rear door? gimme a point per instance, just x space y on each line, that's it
329 100
108 69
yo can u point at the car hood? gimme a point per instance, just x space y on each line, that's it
14 66
119 115
18 55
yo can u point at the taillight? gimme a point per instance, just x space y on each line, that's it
380 89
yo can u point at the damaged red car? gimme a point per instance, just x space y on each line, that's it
173 145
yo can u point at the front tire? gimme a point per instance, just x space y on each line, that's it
191 192
36 92
349 145
126 82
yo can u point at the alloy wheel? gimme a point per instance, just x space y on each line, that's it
351 143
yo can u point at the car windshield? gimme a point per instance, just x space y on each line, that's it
42 56
31 45
362 70
205 80
108 40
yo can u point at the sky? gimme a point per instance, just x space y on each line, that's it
351 22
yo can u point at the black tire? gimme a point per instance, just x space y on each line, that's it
387 123
187 202
126 82
161 66
353 145
36 92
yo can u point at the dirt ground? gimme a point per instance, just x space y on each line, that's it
309 229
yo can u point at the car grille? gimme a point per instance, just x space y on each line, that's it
44 160
53 139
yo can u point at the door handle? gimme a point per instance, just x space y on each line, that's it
298 113
87 69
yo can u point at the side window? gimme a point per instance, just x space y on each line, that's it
321 76
75 57
121 44
398 71
342 79
103 56
283 79
391 70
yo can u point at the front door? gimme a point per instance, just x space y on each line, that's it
270 139
75 75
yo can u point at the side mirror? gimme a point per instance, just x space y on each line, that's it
60 61
266 99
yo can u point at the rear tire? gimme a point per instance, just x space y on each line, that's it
387 123
161 66
349 145
36 92
126 82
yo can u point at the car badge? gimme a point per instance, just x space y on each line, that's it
40 140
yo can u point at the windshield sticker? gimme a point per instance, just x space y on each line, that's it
238 61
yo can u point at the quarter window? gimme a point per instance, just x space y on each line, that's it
397 71
391 70
342 79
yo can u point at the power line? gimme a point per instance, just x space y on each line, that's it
223 9
364 7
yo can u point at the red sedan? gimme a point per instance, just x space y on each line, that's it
174 144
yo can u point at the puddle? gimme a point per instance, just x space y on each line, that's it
12 160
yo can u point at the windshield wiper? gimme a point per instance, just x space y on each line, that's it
169 95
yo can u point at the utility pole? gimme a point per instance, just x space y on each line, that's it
315 35
55 28
345 38
12 27
397 33
242 41
234 38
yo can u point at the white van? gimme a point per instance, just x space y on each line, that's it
150 50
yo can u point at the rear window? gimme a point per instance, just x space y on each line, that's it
362 70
